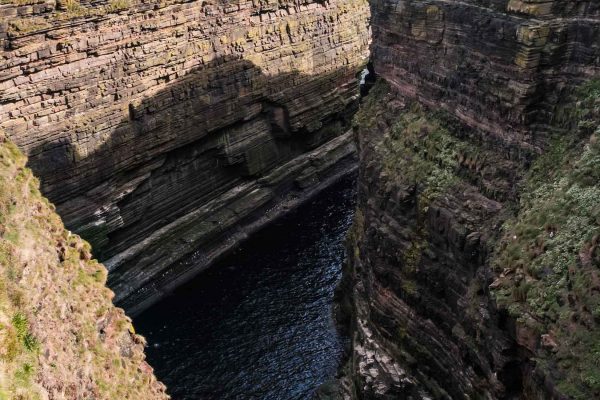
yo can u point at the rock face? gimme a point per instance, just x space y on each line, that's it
60 335
499 66
158 128
459 283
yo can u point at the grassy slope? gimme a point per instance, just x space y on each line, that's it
60 335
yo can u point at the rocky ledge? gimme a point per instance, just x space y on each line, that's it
138 275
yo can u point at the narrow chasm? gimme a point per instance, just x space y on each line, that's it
259 324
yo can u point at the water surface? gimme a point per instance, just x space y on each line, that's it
258 324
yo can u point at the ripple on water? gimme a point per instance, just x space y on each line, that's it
258 324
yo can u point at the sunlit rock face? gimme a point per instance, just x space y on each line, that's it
457 281
156 127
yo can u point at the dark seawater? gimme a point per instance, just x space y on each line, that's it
258 325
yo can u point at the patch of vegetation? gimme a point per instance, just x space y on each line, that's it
118 5
421 151
549 255
418 152
27 25
23 375
72 6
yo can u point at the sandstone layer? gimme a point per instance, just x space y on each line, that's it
60 335
160 128
467 276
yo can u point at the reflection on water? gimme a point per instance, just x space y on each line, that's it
258 324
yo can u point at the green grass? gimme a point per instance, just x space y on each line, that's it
20 324
23 334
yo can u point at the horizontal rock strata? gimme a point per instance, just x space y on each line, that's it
500 66
454 292
138 274
138 115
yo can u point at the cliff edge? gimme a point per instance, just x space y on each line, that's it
60 335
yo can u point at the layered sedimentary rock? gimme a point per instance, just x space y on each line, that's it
499 66
158 128
467 276
60 335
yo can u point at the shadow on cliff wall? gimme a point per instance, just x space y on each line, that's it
199 135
